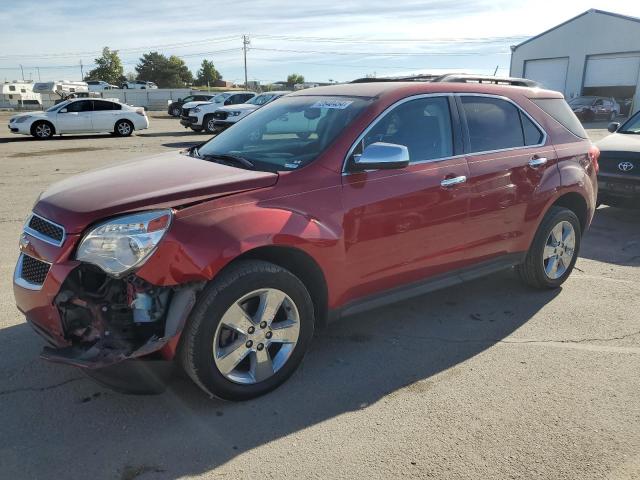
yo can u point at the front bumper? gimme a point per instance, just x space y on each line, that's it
47 307
23 128
223 124
618 186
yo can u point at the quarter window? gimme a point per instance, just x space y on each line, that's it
422 125
496 124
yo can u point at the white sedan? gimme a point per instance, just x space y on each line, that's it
81 116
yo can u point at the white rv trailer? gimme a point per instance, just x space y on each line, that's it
54 92
20 95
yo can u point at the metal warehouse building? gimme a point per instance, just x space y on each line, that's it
595 53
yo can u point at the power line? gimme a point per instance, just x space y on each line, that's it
384 54
457 40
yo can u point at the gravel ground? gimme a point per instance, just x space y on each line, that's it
485 380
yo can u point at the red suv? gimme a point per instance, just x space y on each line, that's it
327 202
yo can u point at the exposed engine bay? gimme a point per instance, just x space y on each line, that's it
108 320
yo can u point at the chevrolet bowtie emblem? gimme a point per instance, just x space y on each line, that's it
24 242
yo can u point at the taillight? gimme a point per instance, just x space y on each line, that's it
140 111
594 154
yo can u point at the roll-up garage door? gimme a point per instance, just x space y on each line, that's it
612 71
551 73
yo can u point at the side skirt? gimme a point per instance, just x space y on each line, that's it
429 285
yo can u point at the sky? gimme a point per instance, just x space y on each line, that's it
324 40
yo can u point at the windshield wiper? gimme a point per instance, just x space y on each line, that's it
234 159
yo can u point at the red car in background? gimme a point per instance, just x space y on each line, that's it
327 202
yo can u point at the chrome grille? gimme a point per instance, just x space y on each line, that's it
185 112
220 115
45 230
31 271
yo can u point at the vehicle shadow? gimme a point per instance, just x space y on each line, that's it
614 237
52 414
171 134
57 138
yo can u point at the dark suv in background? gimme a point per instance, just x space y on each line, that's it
174 107
589 109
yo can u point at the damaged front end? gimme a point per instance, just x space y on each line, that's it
108 320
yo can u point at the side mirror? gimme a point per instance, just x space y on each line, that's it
228 102
381 156
613 127
179 99
63 110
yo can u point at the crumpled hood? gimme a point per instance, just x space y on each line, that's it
239 107
620 142
195 104
162 181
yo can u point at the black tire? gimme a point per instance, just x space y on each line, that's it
42 130
123 128
208 125
195 350
532 271
176 111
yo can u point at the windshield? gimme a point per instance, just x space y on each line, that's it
287 134
220 98
632 125
260 99
581 101
59 105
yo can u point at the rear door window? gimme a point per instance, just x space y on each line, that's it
493 124
101 105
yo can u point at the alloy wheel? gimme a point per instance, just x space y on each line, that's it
256 336
211 126
43 130
124 128
559 250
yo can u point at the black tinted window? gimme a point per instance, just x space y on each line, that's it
493 124
422 125
81 106
559 110
532 134
104 105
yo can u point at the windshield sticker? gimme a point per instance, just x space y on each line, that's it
294 164
335 104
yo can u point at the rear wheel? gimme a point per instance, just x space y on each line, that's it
42 130
176 111
554 250
248 332
123 128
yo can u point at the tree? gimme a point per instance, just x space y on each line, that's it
294 79
207 75
109 67
165 72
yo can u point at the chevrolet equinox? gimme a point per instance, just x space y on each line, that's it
333 200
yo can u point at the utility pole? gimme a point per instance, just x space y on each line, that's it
22 70
245 44
81 72
38 69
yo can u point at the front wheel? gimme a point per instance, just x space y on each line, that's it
554 250
123 128
210 124
42 130
248 332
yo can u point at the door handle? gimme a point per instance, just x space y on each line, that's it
450 182
536 162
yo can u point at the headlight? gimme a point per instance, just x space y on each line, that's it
234 114
22 119
119 245
196 110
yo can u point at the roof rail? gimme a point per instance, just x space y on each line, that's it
467 78
453 78
426 77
